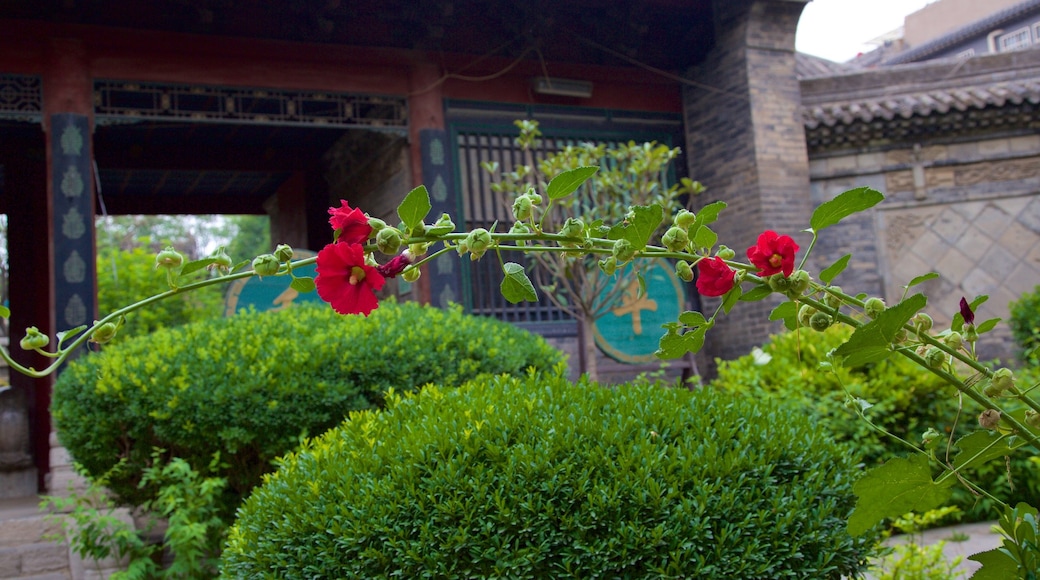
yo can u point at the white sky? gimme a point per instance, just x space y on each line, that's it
839 29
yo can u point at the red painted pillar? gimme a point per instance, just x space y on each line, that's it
425 113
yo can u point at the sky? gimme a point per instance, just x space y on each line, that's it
839 29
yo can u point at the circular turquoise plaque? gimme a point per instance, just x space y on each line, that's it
270 292
631 331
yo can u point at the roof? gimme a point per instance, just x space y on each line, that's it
809 66
979 27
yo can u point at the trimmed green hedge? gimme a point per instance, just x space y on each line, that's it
1025 324
250 386
906 402
540 478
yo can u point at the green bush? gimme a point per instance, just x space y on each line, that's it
1025 323
906 402
539 478
127 276
243 390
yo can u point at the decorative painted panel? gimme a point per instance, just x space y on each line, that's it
73 209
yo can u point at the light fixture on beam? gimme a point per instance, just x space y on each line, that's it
562 87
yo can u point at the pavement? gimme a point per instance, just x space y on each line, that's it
961 540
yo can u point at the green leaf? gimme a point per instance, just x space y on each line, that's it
788 311
674 345
415 207
872 341
896 487
302 284
568 182
997 564
708 214
731 298
841 207
987 325
5 312
638 228
705 238
921 278
980 447
832 271
692 318
196 265
516 286
757 293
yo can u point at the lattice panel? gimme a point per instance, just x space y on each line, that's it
21 97
119 101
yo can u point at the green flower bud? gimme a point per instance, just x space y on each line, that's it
623 251
832 300
799 281
874 306
780 283
929 436
522 208
444 222
534 197
922 322
989 419
608 265
675 239
820 321
34 339
221 260
104 333
900 337
684 271
169 259
388 241
478 241
935 357
266 265
411 274
462 247
954 340
283 252
1002 380
805 314
572 228
1032 419
726 253
520 228
376 224
970 333
684 219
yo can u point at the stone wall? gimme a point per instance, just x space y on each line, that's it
968 210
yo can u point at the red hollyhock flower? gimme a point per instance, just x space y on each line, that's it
966 312
345 281
714 277
397 265
773 253
352 223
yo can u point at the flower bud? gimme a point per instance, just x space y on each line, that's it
1002 380
169 259
411 274
520 228
929 436
954 340
800 281
522 208
376 224
900 337
726 253
780 283
221 260
805 314
478 241
534 197
608 265
684 219
820 322
675 239
832 300
104 333
935 357
572 228
623 251
684 271
922 322
1032 419
266 265
444 222
388 240
283 252
874 306
989 419
970 333
34 339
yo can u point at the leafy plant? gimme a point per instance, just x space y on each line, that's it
1025 324
250 386
539 478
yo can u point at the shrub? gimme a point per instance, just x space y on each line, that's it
245 389
126 276
539 478
1025 323
906 402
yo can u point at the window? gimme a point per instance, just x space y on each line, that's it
966 53
1015 40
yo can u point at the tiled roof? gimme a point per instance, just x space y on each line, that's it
922 103
809 66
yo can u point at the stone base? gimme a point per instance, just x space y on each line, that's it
20 483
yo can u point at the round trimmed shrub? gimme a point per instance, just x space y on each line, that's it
539 478
906 399
1024 321
249 387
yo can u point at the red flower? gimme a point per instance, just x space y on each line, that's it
714 277
352 223
397 265
966 312
345 281
773 253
